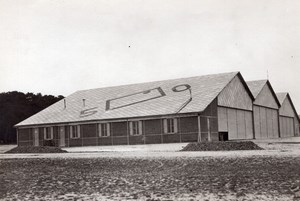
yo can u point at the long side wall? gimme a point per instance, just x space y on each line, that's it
152 131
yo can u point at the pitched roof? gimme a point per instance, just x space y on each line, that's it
256 86
281 96
135 100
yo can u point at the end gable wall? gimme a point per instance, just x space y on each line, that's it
265 98
286 108
235 95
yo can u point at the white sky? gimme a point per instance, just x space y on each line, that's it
58 47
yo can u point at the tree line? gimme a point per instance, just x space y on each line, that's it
17 106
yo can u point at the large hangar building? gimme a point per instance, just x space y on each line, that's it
204 108
288 117
265 110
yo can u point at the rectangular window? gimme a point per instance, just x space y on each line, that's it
170 125
48 133
75 131
104 129
136 127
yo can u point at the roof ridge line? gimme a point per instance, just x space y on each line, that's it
172 79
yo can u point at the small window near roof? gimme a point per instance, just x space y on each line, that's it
48 133
136 127
104 129
74 132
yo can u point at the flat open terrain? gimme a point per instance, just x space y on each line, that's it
158 175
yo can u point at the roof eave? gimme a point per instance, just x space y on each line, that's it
273 93
296 114
246 86
114 119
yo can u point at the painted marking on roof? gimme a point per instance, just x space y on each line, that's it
182 87
134 98
88 112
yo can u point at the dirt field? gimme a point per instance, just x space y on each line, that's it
272 174
247 178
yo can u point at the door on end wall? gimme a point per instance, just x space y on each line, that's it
62 142
36 137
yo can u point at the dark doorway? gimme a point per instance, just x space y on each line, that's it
223 136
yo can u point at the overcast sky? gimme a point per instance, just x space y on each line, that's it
58 47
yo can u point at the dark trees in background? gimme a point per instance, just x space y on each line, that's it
16 107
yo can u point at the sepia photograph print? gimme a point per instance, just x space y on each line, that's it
157 100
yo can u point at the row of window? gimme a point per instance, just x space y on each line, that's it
135 128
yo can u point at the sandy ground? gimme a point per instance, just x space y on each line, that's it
131 154
4 148
154 172
274 147
126 148
269 144
253 177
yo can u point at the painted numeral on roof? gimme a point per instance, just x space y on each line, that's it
182 87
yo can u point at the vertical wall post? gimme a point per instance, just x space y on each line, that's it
179 128
199 129
161 130
69 135
112 133
208 129
127 132
81 134
144 131
17 136
97 133
253 123
278 124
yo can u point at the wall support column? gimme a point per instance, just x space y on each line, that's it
162 130
199 129
208 129
127 132
17 136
